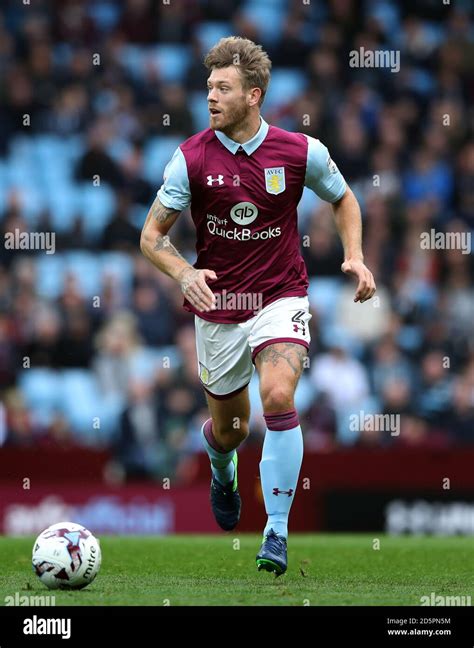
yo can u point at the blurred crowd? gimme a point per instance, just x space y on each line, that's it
94 345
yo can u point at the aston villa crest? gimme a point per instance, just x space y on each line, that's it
275 180
203 373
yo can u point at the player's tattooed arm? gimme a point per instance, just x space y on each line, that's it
164 243
161 213
155 244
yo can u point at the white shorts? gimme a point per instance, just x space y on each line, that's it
226 352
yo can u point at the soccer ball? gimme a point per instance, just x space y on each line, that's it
66 556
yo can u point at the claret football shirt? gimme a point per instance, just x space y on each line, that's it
244 200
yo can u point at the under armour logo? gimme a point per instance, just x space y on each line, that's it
277 491
219 179
298 317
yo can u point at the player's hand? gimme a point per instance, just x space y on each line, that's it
195 289
366 286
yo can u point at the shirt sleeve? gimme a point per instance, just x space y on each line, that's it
175 193
322 174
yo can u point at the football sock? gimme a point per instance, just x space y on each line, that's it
221 461
279 467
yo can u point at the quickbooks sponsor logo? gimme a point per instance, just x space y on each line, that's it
243 234
244 213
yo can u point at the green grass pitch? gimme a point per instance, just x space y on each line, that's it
337 569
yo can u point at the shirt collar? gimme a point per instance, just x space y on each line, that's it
250 146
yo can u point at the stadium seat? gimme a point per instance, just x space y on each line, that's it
32 199
323 293
55 174
132 59
19 172
388 16
209 33
199 109
48 148
347 432
145 362
119 266
342 336
24 175
81 403
158 152
74 147
285 85
308 203
64 205
118 149
104 14
86 268
41 389
137 213
172 62
281 4
21 147
4 184
267 17
171 352
97 205
50 275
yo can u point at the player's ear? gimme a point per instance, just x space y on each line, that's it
254 94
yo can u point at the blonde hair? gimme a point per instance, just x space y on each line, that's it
252 62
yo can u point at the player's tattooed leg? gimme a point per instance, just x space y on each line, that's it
293 355
279 366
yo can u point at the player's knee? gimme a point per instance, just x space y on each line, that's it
230 434
277 398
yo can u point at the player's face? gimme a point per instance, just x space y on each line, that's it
226 99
